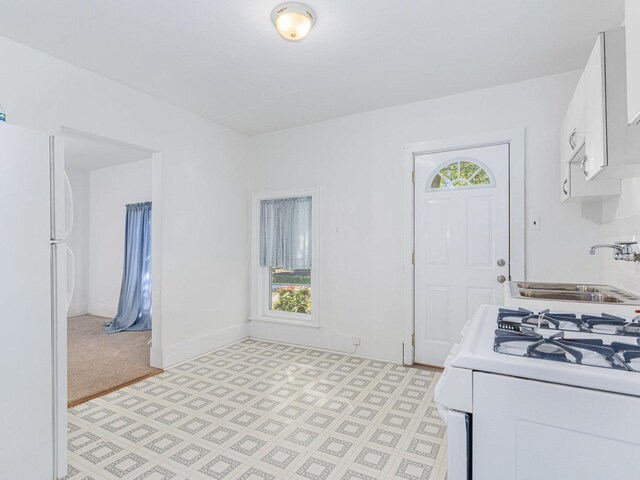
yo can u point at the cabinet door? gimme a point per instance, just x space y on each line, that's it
572 132
574 186
595 159
581 190
632 21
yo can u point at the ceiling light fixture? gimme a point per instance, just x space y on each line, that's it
293 20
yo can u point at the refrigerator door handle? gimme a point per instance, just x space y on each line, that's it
69 205
71 275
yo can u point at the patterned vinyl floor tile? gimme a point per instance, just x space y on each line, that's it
260 410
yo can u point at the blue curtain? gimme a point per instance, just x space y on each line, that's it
134 307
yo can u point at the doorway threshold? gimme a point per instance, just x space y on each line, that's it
113 389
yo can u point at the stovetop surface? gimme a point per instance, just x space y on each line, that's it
581 339
559 347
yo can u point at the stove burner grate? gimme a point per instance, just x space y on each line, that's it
514 320
592 352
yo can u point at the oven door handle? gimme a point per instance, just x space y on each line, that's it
459 445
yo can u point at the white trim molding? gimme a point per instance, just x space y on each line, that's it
101 310
173 355
78 310
377 349
156 359
515 138
260 311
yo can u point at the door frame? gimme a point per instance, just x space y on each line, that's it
155 355
60 400
515 138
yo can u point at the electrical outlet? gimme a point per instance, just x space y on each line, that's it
534 223
356 341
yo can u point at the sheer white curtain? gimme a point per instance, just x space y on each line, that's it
285 233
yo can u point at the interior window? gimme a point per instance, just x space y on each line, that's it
461 174
286 253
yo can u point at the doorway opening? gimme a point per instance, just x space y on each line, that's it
109 318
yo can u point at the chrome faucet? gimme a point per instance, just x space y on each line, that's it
624 251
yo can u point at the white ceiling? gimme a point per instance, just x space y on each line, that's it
224 60
85 154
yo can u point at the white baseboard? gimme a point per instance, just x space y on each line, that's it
100 310
379 349
184 351
78 309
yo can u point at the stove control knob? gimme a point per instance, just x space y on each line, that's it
501 279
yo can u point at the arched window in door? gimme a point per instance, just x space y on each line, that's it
461 173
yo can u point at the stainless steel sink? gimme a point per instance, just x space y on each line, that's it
563 287
570 296
572 292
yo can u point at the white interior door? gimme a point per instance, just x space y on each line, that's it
461 242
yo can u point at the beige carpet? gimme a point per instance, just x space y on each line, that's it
99 362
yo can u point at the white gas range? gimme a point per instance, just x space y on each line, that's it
543 395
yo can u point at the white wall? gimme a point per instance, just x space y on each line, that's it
112 189
78 241
357 162
621 218
205 191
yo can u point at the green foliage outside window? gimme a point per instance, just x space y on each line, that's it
293 299
460 174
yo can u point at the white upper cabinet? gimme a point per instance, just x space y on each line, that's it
596 140
632 21
595 124
583 136
620 157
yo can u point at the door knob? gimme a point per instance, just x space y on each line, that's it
501 278
501 262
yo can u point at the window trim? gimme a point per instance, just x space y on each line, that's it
260 276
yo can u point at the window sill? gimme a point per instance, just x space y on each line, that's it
284 321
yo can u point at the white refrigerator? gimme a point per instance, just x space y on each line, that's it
34 302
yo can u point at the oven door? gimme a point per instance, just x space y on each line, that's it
459 444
